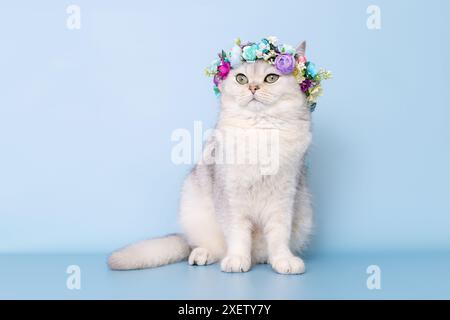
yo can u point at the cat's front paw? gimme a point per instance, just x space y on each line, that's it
288 265
201 257
236 263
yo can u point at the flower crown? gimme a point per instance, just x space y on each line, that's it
284 57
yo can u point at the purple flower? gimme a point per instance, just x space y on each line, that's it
217 79
306 85
285 63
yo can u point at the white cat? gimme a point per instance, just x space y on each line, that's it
231 212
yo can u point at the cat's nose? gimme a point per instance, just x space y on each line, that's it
253 88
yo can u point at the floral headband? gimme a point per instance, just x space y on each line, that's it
284 57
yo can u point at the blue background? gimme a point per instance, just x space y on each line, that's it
86 118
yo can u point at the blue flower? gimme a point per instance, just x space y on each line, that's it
264 46
311 69
249 52
216 91
212 69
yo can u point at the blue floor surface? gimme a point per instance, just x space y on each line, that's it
403 276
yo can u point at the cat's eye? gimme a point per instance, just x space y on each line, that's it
271 78
241 78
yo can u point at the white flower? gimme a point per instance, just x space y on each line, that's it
269 55
262 46
259 54
285 48
273 40
235 56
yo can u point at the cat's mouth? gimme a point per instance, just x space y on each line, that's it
254 100
259 99
256 97
255 103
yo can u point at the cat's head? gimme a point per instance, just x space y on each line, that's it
259 76
258 85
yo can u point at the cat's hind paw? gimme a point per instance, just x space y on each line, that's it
288 265
201 257
236 263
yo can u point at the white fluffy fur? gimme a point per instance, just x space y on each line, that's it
230 212
150 253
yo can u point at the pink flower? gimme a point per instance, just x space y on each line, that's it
224 69
301 59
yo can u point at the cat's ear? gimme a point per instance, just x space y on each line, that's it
301 49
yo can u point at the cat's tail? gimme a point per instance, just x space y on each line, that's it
150 253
